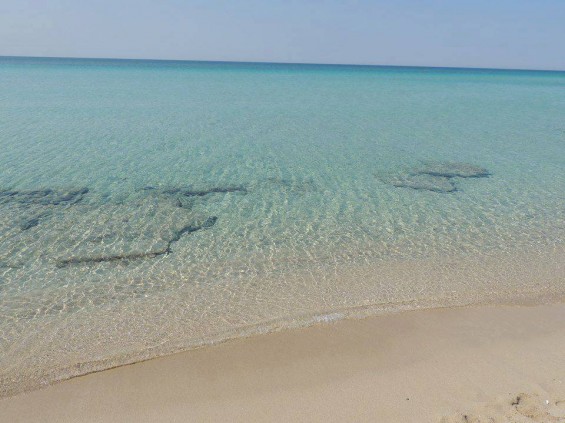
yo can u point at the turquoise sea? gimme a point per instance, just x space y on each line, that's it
148 207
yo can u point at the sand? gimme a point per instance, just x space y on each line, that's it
482 364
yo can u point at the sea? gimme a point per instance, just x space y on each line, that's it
150 207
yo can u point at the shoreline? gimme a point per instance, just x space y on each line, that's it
470 360
539 277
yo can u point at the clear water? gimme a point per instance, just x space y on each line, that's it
222 199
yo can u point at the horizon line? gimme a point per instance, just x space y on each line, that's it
285 63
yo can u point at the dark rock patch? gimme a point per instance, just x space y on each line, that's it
208 223
202 193
6 265
166 249
211 221
44 197
188 192
29 223
437 176
424 182
102 259
33 221
293 185
184 203
454 169
185 198
139 226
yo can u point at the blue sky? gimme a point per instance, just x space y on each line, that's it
479 33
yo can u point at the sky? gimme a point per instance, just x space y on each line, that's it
519 34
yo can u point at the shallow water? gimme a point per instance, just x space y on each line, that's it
147 207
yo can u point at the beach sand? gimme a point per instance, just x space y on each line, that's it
490 364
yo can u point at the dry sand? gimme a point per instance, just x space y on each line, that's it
483 364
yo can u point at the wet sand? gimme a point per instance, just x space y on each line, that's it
495 364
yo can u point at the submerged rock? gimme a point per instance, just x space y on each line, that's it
185 197
105 259
293 184
188 192
211 221
143 226
437 176
424 182
34 220
30 223
45 197
454 169
153 247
